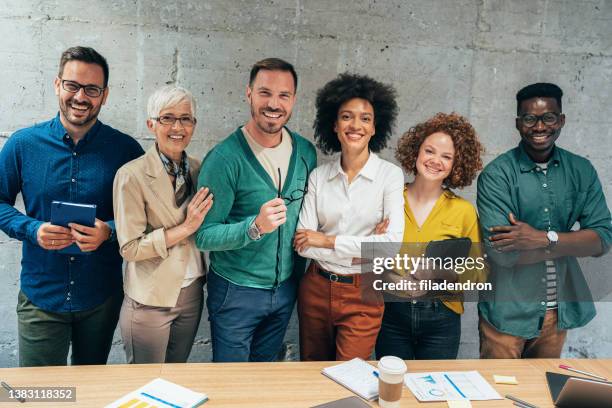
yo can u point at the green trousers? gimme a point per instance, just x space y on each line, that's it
45 337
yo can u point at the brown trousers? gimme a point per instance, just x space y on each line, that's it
154 334
336 323
495 344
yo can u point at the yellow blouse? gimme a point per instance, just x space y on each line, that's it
451 217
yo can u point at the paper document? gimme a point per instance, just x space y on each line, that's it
356 375
160 393
450 385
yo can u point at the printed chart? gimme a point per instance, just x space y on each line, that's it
450 385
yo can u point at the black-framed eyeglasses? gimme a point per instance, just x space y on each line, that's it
298 193
92 91
548 118
169 120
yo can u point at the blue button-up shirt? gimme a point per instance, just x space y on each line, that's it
43 163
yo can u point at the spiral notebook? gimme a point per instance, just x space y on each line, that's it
357 376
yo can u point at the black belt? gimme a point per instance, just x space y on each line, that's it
333 277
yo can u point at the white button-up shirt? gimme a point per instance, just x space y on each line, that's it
351 211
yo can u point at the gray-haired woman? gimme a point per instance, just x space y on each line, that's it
157 210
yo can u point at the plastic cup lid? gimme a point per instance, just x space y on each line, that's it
392 365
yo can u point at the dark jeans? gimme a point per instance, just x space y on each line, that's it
248 324
413 330
45 337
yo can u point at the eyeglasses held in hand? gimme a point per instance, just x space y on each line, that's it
298 193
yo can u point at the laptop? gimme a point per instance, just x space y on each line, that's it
577 392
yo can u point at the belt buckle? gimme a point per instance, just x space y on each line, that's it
333 277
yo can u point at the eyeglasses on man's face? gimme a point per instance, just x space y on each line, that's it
548 119
92 91
169 120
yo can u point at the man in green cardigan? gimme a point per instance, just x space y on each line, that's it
258 177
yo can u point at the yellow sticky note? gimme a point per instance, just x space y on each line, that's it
459 403
505 379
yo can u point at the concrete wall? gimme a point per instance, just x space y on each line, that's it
470 56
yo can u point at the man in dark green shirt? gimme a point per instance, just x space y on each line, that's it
529 200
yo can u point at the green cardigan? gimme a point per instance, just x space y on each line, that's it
240 186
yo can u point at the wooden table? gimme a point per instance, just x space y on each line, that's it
270 385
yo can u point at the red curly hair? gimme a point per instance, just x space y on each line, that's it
467 161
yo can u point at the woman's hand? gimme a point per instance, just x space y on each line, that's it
308 238
381 227
197 209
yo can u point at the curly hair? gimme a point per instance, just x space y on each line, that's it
344 88
467 161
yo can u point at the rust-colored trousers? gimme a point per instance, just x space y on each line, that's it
336 322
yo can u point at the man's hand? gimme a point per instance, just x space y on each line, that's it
53 237
517 236
308 238
271 215
90 238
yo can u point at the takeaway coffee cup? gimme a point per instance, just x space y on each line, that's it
391 372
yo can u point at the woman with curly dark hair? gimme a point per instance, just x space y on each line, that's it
443 153
351 200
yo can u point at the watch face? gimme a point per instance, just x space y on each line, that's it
253 232
552 236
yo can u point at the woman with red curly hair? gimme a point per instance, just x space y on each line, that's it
443 153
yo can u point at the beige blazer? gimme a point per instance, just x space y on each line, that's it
143 200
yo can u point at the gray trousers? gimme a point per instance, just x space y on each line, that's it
154 334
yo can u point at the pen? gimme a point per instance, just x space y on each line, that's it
518 404
9 389
523 404
568 368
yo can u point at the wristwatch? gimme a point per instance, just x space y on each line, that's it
253 232
553 238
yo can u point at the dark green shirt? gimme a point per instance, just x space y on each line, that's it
569 193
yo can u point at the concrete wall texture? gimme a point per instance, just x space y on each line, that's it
469 56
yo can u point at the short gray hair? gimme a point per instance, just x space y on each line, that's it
168 96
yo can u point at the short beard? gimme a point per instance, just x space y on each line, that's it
93 114
264 127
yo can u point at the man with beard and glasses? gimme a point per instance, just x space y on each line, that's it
529 200
67 299
258 176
